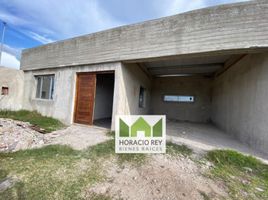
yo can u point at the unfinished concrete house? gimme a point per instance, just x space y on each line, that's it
204 66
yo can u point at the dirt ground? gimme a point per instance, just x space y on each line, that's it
79 137
161 177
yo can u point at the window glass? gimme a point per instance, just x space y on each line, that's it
45 87
178 98
142 98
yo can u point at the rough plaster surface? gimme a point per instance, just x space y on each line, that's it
196 86
13 79
230 27
239 101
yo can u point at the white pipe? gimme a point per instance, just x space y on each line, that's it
2 41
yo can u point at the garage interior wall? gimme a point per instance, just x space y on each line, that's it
197 86
239 101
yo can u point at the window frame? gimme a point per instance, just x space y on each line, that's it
178 96
38 95
142 104
4 90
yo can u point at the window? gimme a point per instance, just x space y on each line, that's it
45 87
4 91
142 97
178 98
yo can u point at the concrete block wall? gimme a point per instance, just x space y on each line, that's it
196 86
239 101
14 80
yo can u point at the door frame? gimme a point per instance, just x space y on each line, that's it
76 91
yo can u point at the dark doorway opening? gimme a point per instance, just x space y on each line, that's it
103 109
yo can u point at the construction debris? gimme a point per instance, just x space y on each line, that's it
17 135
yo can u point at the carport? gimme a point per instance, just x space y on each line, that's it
191 91
182 87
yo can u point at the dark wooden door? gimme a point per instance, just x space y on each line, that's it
85 98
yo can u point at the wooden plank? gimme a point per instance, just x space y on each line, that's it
85 98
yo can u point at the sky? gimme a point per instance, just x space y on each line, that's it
31 23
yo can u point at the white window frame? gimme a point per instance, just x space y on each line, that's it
51 86
179 98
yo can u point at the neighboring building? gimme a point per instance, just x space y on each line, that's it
208 65
11 88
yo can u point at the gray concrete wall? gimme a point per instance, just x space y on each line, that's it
62 105
196 86
239 101
131 78
104 96
13 79
234 27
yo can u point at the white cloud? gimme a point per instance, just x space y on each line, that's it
9 60
13 51
40 38
179 6
50 19
7 17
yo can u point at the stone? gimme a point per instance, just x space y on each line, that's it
248 169
259 189
7 183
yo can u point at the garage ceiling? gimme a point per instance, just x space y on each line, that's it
205 65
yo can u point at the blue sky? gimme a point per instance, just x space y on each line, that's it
36 22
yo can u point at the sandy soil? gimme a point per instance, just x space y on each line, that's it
162 177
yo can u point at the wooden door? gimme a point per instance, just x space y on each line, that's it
85 98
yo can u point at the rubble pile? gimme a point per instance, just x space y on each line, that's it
17 135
